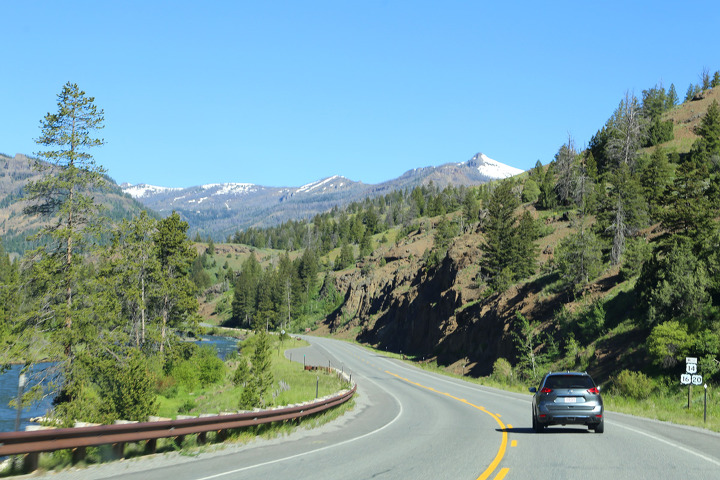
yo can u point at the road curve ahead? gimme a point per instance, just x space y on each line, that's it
411 424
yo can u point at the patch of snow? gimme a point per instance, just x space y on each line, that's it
144 190
312 186
235 189
202 200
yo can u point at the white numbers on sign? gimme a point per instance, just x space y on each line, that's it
697 379
691 368
685 379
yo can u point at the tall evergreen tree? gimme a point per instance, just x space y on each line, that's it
548 197
671 100
131 271
500 237
628 130
709 128
655 177
579 259
623 211
63 197
565 168
175 255
244 304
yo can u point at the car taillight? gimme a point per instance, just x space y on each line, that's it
546 390
594 391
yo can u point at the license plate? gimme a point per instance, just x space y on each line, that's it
570 400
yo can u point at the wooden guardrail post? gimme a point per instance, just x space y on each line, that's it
78 454
30 462
118 450
151 445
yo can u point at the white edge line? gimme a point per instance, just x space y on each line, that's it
667 442
316 450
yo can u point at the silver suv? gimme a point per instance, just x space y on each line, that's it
567 398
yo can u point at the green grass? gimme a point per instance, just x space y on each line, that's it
225 397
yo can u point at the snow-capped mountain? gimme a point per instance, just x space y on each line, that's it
492 168
220 209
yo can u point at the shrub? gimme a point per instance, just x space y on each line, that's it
210 368
242 373
185 375
668 343
633 385
502 370
186 406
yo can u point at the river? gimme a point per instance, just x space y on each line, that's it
9 387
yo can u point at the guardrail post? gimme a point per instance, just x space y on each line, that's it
221 435
201 438
179 440
151 445
30 462
118 450
78 454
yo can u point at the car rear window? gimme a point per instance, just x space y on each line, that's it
568 381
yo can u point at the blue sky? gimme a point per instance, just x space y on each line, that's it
286 93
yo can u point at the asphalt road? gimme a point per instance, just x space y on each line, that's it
411 424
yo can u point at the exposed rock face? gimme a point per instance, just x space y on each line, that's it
403 307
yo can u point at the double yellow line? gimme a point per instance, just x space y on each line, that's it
503 444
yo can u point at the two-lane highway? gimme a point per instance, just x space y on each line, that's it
409 423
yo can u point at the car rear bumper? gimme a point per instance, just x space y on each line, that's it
580 416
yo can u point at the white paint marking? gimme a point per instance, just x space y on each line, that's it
667 442
319 449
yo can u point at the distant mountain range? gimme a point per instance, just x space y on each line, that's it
219 209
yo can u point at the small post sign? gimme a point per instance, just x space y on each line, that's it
691 376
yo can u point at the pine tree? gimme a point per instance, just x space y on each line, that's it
261 377
565 161
671 100
690 93
548 198
628 132
244 304
500 238
175 256
62 196
579 259
346 258
623 211
130 271
655 176
709 128
689 209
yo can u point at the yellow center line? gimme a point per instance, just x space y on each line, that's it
503 444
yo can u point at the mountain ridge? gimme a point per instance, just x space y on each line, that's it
219 209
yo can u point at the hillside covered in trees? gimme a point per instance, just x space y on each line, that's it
603 259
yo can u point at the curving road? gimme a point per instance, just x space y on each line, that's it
411 424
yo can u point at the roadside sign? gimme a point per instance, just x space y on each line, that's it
691 360
685 379
691 368
697 380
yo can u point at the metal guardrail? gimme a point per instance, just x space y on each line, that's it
14 443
